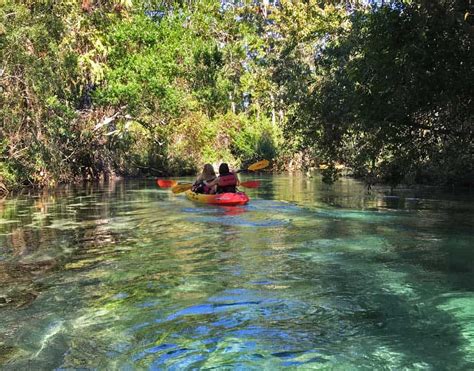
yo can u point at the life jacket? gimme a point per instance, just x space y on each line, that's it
227 183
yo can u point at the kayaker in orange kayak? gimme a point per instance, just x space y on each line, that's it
226 182
201 184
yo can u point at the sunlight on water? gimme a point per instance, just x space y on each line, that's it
306 276
462 308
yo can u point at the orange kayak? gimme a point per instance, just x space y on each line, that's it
225 199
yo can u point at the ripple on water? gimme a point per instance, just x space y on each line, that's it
240 222
145 280
461 306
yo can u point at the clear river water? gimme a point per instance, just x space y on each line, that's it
128 276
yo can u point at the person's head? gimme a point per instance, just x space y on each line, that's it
224 169
208 172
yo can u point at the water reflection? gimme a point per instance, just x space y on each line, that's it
127 275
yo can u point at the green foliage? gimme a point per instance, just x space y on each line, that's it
390 95
91 89
143 68
254 140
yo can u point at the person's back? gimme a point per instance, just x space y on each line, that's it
207 176
227 181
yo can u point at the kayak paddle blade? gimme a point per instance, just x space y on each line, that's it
259 165
250 184
181 188
166 183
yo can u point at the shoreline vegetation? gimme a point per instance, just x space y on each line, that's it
401 191
380 90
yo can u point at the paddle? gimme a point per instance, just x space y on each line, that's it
166 183
181 187
249 184
187 186
256 166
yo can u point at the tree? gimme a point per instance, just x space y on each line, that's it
389 95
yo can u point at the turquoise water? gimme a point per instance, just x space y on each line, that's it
128 276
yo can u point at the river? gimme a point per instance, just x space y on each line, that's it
125 275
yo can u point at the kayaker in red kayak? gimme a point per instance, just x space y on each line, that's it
202 182
226 182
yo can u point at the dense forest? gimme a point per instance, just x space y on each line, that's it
99 88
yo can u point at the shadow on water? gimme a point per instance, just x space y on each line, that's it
431 263
126 275
411 318
384 304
